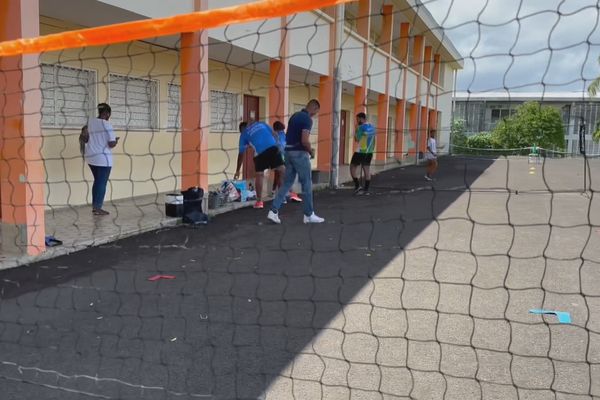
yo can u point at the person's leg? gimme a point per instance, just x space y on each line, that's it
434 167
367 169
354 164
288 181
95 185
258 184
429 169
302 164
277 179
103 175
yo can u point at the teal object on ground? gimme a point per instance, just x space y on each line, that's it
563 317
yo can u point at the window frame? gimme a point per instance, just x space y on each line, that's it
92 93
154 103
219 126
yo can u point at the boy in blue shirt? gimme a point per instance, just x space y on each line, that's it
260 136
279 129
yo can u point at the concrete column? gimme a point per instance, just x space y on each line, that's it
383 105
22 177
279 74
195 107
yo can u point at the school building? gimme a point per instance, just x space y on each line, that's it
177 100
483 111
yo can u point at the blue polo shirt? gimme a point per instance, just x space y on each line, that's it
298 122
258 135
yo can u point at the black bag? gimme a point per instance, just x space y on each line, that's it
192 207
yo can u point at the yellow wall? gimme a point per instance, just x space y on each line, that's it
146 162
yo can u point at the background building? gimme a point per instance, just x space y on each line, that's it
482 112
177 100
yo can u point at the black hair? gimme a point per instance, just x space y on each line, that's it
314 102
104 108
278 126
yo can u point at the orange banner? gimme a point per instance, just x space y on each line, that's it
136 30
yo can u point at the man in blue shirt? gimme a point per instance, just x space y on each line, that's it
260 136
298 152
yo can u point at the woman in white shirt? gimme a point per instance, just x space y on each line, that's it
98 139
431 156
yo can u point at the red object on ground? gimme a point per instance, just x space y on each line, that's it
157 277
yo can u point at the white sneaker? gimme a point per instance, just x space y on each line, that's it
273 217
313 219
427 178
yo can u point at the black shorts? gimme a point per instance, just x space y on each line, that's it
271 158
361 159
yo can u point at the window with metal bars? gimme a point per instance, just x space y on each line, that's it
134 102
68 96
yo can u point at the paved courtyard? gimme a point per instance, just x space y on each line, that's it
419 291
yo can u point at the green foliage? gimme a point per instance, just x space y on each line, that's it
458 139
593 90
596 135
483 140
531 125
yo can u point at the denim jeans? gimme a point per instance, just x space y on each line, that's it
101 175
297 163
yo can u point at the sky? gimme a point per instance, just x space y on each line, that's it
523 45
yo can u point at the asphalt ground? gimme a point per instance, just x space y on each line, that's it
421 290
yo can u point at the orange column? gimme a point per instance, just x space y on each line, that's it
360 100
21 164
419 42
383 104
363 23
279 73
195 114
433 120
413 127
325 123
404 38
326 88
436 68
383 107
427 62
400 120
423 129
418 54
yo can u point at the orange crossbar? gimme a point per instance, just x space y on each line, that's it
137 30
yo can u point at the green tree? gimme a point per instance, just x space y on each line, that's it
532 124
593 91
458 139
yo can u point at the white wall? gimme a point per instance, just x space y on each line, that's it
376 69
411 86
445 106
351 66
157 8
309 42
262 37
396 80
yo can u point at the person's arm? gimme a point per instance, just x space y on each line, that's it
112 140
357 134
240 158
306 142
85 134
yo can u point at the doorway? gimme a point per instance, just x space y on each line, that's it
250 114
